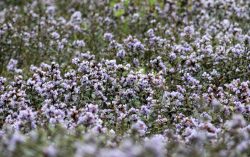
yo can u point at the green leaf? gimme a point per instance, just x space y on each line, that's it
119 12
126 2
112 3
152 2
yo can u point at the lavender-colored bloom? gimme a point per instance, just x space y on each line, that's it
108 36
76 18
50 151
79 43
121 53
156 144
55 35
140 127
12 65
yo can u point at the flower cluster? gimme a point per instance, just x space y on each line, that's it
122 78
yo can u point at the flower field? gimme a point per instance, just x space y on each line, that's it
125 78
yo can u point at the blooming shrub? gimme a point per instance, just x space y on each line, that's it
110 78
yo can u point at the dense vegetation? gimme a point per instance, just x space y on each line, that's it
125 78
